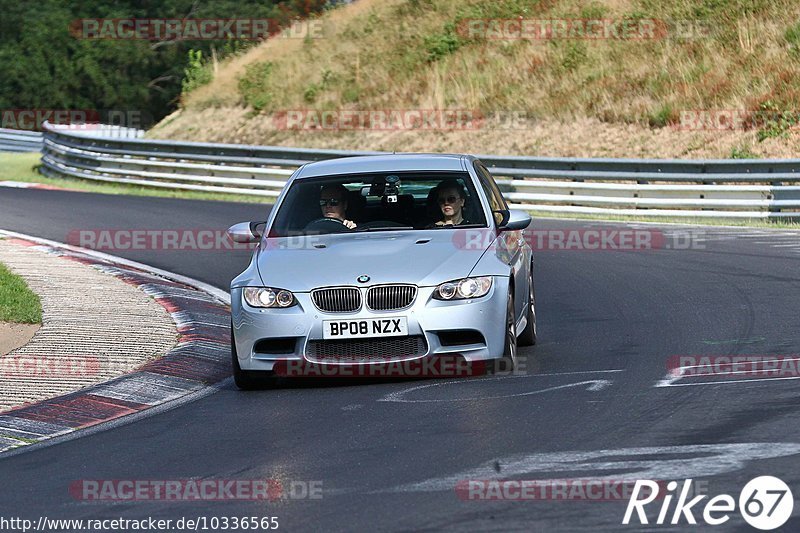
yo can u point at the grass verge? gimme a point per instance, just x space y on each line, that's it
23 168
19 304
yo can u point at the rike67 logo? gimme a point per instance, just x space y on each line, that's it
765 503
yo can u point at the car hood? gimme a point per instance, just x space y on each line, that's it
423 258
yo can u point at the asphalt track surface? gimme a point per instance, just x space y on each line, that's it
608 323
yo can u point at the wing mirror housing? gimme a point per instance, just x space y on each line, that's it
246 232
513 220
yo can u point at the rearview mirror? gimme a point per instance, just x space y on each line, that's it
516 220
245 232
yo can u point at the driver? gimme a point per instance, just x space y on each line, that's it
333 202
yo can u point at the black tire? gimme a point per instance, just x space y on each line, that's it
507 363
245 380
528 335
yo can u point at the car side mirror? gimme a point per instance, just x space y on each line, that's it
515 221
245 232
500 217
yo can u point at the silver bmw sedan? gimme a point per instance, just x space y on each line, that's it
373 260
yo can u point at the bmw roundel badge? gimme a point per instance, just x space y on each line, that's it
363 278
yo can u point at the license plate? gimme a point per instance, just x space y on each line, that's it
364 328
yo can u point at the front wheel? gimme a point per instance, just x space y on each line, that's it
528 335
508 362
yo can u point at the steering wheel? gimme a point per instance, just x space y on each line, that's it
327 225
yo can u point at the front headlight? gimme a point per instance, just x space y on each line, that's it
463 289
268 297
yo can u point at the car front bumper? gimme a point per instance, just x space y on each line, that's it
473 329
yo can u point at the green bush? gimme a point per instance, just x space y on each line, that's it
792 37
310 94
774 122
254 85
664 116
574 55
442 44
197 72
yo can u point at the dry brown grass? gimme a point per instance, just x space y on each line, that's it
580 137
581 97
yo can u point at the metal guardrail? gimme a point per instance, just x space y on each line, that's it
20 141
32 141
675 188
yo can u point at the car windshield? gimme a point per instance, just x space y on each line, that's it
379 202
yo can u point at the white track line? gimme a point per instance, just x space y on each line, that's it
574 373
594 385
680 372
727 382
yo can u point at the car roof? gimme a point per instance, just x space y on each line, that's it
384 163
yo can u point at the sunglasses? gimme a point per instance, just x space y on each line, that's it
333 202
448 200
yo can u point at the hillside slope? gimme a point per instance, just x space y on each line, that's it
667 85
